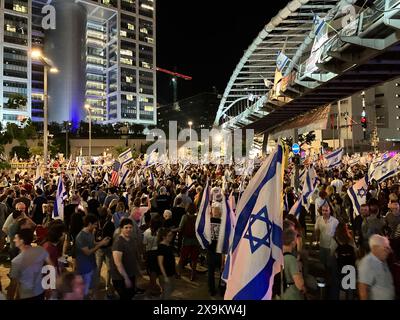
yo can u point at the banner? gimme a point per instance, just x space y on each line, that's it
321 37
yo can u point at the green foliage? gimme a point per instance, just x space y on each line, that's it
5 166
308 138
116 151
36 151
16 101
22 152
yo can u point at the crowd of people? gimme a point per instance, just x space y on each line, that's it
368 241
140 227
147 225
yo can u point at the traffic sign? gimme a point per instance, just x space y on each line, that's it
296 148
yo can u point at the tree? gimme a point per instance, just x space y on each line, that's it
16 101
116 151
36 151
307 138
21 152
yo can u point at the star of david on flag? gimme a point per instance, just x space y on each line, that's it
384 170
255 242
358 194
255 255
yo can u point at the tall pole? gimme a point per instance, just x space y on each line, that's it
339 124
66 141
45 117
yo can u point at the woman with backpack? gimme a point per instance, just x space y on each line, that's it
343 250
190 246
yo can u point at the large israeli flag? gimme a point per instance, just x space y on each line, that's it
256 252
226 228
334 159
358 194
203 221
61 196
384 170
125 157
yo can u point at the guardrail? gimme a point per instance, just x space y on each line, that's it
366 19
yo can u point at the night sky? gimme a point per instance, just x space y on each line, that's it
206 39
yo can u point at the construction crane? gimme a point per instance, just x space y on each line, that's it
174 79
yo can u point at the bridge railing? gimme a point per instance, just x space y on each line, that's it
366 19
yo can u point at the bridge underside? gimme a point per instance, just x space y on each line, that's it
380 69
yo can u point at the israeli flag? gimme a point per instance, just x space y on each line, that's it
296 209
384 170
39 182
79 169
203 221
354 160
358 194
125 157
281 61
106 179
151 159
319 23
123 175
256 252
334 159
137 180
226 228
302 176
310 183
61 196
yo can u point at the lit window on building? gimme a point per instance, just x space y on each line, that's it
11 28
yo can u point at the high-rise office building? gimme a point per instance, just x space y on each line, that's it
105 53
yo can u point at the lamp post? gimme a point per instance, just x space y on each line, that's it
68 125
48 67
88 108
190 123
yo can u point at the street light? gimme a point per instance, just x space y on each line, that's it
36 54
190 123
89 110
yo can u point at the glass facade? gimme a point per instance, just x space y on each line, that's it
120 59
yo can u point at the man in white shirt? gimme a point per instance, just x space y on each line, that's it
338 184
325 228
375 279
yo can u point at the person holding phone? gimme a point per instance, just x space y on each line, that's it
86 248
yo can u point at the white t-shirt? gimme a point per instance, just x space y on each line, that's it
149 241
318 204
327 231
338 184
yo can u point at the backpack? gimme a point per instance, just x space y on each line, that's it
346 256
189 227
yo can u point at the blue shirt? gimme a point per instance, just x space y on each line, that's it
84 264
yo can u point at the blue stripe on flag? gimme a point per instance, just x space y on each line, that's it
258 287
228 227
202 224
248 208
